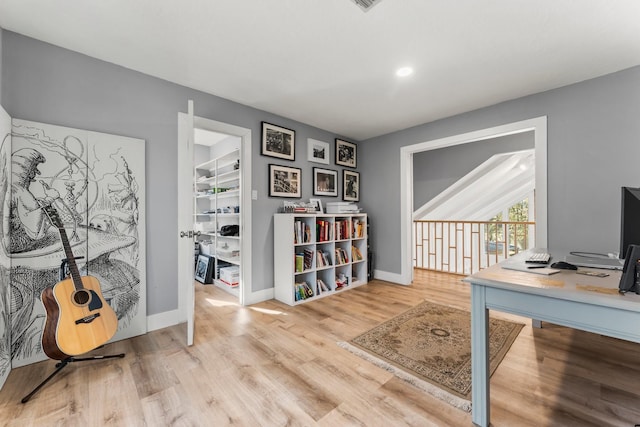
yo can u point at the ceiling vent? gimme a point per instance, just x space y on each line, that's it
365 5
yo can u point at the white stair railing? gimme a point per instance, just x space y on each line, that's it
466 247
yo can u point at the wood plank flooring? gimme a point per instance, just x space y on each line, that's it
274 365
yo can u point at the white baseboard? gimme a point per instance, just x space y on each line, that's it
164 320
259 296
389 277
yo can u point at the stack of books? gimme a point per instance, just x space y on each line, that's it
342 229
358 229
324 260
304 261
341 256
323 231
321 287
301 232
302 291
342 207
356 255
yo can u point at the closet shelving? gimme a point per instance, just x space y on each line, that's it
217 201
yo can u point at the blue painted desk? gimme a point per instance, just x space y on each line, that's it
583 302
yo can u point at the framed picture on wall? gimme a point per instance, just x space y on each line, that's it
325 182
317 151
345 153
284 181
278 141
351 186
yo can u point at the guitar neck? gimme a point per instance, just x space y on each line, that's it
71 261
54 218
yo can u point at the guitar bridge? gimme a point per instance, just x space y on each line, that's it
88 319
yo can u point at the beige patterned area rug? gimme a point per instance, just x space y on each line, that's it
430 347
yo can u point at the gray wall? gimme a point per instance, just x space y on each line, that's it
593 130
593 150
1 34
436 170
48 84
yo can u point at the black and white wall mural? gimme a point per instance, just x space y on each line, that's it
5 264
95 182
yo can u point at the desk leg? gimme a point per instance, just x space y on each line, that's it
479 357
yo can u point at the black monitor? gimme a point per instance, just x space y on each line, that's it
630 219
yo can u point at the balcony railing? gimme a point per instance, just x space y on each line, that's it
465 247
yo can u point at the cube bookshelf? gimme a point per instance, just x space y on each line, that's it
317 255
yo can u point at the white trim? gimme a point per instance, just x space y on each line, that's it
259 296
538 125
388 277
165 319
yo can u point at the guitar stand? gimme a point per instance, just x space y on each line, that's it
64 362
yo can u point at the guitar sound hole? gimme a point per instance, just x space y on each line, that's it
81 297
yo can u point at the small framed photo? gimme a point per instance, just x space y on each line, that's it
284 181
325 182
345 153
204 267
278 142
318 205
317 151
351 186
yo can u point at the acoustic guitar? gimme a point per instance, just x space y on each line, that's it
78 319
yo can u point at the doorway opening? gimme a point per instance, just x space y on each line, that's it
217 205
222 180
539 128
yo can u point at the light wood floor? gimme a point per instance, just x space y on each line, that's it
274 365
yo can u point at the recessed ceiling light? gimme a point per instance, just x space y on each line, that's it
404 71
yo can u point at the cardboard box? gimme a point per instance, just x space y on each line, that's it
230 275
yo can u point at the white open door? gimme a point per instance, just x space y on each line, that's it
186 289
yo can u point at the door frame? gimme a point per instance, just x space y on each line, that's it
539 127
186 291
244 287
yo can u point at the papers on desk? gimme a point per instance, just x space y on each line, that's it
545 271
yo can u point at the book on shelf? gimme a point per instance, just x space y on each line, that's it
358 229
342 229
304 260
302 291
356 255
341 256
299 263
321 286
324 231
301 232
323 259
308 259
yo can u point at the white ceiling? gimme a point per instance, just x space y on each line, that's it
331 65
